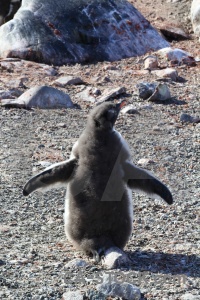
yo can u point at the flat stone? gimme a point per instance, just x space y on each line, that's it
145 161
173 32
42 97
161 93
167 73
12 93
65 31
110 93
68 80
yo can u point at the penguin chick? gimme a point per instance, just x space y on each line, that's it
99 177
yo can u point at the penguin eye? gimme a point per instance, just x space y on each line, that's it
110 114
97 123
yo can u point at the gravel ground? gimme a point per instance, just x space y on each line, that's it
164 245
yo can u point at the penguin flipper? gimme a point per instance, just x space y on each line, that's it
140 179
57 175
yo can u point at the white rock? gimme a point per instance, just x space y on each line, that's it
124 290
145 161
114 258
195 16
68 80
174 54
42 97
161 93
76 263
76 295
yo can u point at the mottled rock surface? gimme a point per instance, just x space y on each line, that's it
195 16
78 31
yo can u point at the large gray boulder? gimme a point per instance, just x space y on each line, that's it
195 16
66 31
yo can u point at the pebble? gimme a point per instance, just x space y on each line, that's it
186 118
150 62
68 80
86 95
145 161
110 93
129 109
76 263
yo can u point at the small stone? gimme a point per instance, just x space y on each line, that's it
86 95
161 93
50 71
151 62
186 118
145 89
114 289
167 73
76 263
68 80
115 257
10 94
129 109
73 295
110 93
145 161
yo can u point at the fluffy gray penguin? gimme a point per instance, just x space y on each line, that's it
99 177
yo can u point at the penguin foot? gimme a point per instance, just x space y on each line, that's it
115 258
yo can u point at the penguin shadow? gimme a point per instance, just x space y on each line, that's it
165 263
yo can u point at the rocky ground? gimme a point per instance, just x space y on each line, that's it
164 246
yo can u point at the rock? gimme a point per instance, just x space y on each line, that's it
87 95
95 295
129 109
174 54
12 93
167 73
73 295
17 83
145 161
161 93
195 16
110 93
50 71
145 90
5 7
185 118
65 31
189 296
151 62
42 97
173 32
114 289
115 258
67 80
80 263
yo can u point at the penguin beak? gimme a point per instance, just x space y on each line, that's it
120 105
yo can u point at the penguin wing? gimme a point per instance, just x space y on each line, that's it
140 179
57 175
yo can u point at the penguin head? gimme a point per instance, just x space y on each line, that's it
104 116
